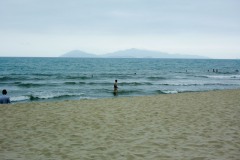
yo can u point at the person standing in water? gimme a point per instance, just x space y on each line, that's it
115 88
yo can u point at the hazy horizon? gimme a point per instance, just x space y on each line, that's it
31 28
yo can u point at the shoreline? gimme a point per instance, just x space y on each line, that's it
191 125
113 97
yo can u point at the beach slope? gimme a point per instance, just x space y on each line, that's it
194 126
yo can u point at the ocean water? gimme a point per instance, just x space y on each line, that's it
53 79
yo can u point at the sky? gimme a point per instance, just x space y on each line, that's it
50 28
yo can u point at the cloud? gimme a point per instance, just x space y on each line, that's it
118 24
118 16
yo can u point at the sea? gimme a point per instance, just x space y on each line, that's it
58 79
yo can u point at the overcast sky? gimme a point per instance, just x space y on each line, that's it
52 27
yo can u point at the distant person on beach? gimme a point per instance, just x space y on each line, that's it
4 99
115 88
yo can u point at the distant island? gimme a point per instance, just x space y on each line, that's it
78 53
131 53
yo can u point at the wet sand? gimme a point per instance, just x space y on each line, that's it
194 126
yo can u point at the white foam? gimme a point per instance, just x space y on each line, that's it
170 92
55 95
19 98
224 76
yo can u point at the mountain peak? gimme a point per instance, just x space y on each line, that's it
78 53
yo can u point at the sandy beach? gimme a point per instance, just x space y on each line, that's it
186 126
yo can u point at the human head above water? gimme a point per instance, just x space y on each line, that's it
4 92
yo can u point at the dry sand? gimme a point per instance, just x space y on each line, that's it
194 126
